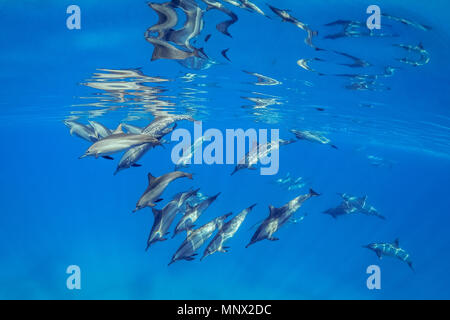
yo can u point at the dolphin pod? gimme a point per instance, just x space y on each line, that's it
179 43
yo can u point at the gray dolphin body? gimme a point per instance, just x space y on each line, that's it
258 152
165 217
390 250
81 131
117 142
223 26
278 217
197 238
100 130
312 137
156 187
133 155
227 232
353 205
159 124
192 214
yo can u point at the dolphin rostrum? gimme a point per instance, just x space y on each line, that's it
390 250
165 216
156 186
196 238
278 217
227 232
192 214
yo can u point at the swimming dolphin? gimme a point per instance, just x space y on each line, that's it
353 205
407 22
165 216
81 131
100 130
133 155
160 123
390 250
246 4
185 160
192 214
197 238
278 217
357 62
312 137
361 205
287 17
227 232
156 186
116 142
258 152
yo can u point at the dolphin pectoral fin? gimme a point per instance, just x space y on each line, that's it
136 165
107 157
151 205
379 255
273 239
159 200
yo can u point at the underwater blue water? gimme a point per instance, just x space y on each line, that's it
58 210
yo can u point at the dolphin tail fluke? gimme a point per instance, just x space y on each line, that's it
313 193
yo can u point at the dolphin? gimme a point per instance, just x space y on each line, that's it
165 216
157 126
133 155
196 238
287 17
228 231
353 205
278 217
357 62
390 250
263 80
312 137
100 130
185 160
258 152
80 130
116 142
156 186
192 214
407 22
246 4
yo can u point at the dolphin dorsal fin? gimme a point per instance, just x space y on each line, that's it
151 178
271 210
118 129
396 243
